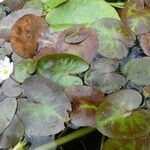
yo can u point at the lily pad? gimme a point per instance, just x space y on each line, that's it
79 12
145 43
136 18
62 69
101 75
13 134
114 38
85 101
46 111
8 108
119 118
137 144
79 41
11 88
138 70
24 69
25 33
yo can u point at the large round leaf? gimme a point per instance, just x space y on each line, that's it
84 100
80 12
47 108
8 108
119 118
13 134
62 69
138 70
138 144
114 38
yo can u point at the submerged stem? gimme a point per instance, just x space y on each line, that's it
77 134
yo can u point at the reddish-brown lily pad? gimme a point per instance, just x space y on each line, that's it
119 117
145 43
136 17
84 100
79 41
25 33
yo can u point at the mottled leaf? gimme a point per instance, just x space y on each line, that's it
62 69
25 33
46 110
114 38
84 100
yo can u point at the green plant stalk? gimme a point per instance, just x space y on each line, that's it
77 134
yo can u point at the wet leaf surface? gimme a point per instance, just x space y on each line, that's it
52 103
84 100
62 69
25 33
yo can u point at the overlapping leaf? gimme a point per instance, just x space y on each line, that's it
62 69
136 17
79 12
79 41
25 33
114 38
46 110
84 100
119 118
102 76
138 70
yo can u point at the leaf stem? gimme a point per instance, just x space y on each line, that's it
77 134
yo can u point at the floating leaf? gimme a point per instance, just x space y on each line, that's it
136 18
114 38
25 33
15 4
46 110
24 69
62 69
119 118
137 144
7 22
11 88
79 12
79 41
138 70
145 43
102 77
13 134
85 100
8 108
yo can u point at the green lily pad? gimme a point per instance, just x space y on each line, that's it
138 70
137 144
136 17
24 69
119 117
80 12
8 109
114 38
62 69
85 101
46 109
